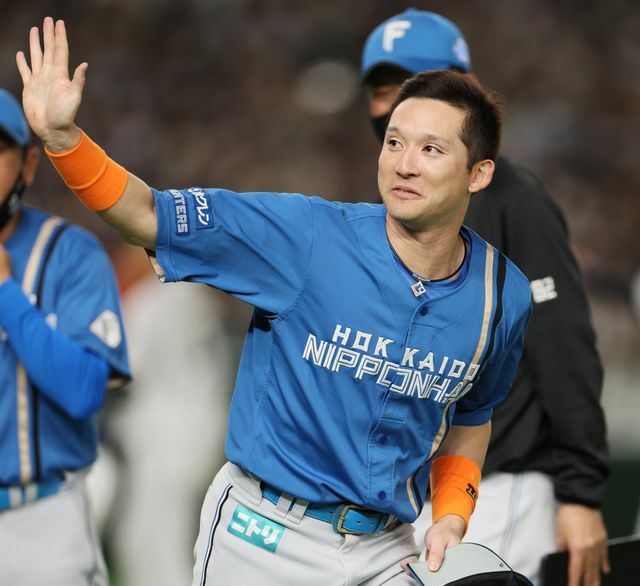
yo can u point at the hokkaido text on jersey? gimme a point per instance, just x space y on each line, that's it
347 383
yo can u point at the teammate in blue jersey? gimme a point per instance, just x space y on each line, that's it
61 345
382 338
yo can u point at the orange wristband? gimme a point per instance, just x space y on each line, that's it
87 170
454 487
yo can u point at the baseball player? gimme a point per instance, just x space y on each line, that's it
61 345
382 338
547 461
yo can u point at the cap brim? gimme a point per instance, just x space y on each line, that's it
469 563
364 78
411 66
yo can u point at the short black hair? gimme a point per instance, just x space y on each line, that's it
481 130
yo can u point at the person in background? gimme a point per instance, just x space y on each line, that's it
62 345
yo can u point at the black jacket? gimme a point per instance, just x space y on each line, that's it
551 420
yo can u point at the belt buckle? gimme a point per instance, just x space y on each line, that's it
340 515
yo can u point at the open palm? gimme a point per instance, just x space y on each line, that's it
50 98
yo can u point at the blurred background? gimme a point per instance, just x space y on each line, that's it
265 95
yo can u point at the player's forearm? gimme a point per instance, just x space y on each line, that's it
119 197
470 441
455 475
561 360
568 383
134 214
64 371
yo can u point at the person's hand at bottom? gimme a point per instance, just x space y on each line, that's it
446 532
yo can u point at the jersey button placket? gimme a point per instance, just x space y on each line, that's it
424 310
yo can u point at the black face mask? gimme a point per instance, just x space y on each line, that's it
380 126
10 206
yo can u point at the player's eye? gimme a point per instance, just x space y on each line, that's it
431 149
393 143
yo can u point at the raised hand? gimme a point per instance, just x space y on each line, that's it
50 98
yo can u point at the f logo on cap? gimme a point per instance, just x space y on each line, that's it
392 31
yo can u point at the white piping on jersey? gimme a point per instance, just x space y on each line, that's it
22 400
480 348
482 342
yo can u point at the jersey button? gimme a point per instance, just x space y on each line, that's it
382 495
424 310
384 439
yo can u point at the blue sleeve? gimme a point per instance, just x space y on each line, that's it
87 302
254 246
72 377
476 407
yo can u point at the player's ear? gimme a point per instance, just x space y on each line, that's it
31 160
481 175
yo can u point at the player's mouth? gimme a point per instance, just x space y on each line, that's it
405 192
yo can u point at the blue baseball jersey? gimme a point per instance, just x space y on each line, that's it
347 383
79 297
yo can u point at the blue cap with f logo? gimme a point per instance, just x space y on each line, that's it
417 41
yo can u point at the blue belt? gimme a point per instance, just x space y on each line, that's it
345 518
12 497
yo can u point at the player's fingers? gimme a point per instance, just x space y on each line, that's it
436 555
404 563
576 565
34 49
591 568
61 52
48 37
5 263
79 77
23 68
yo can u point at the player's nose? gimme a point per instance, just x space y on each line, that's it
407 163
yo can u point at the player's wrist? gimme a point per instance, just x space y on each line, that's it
454 523
454 487
97 180
61 140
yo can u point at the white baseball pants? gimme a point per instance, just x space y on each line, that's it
52 541
246 539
